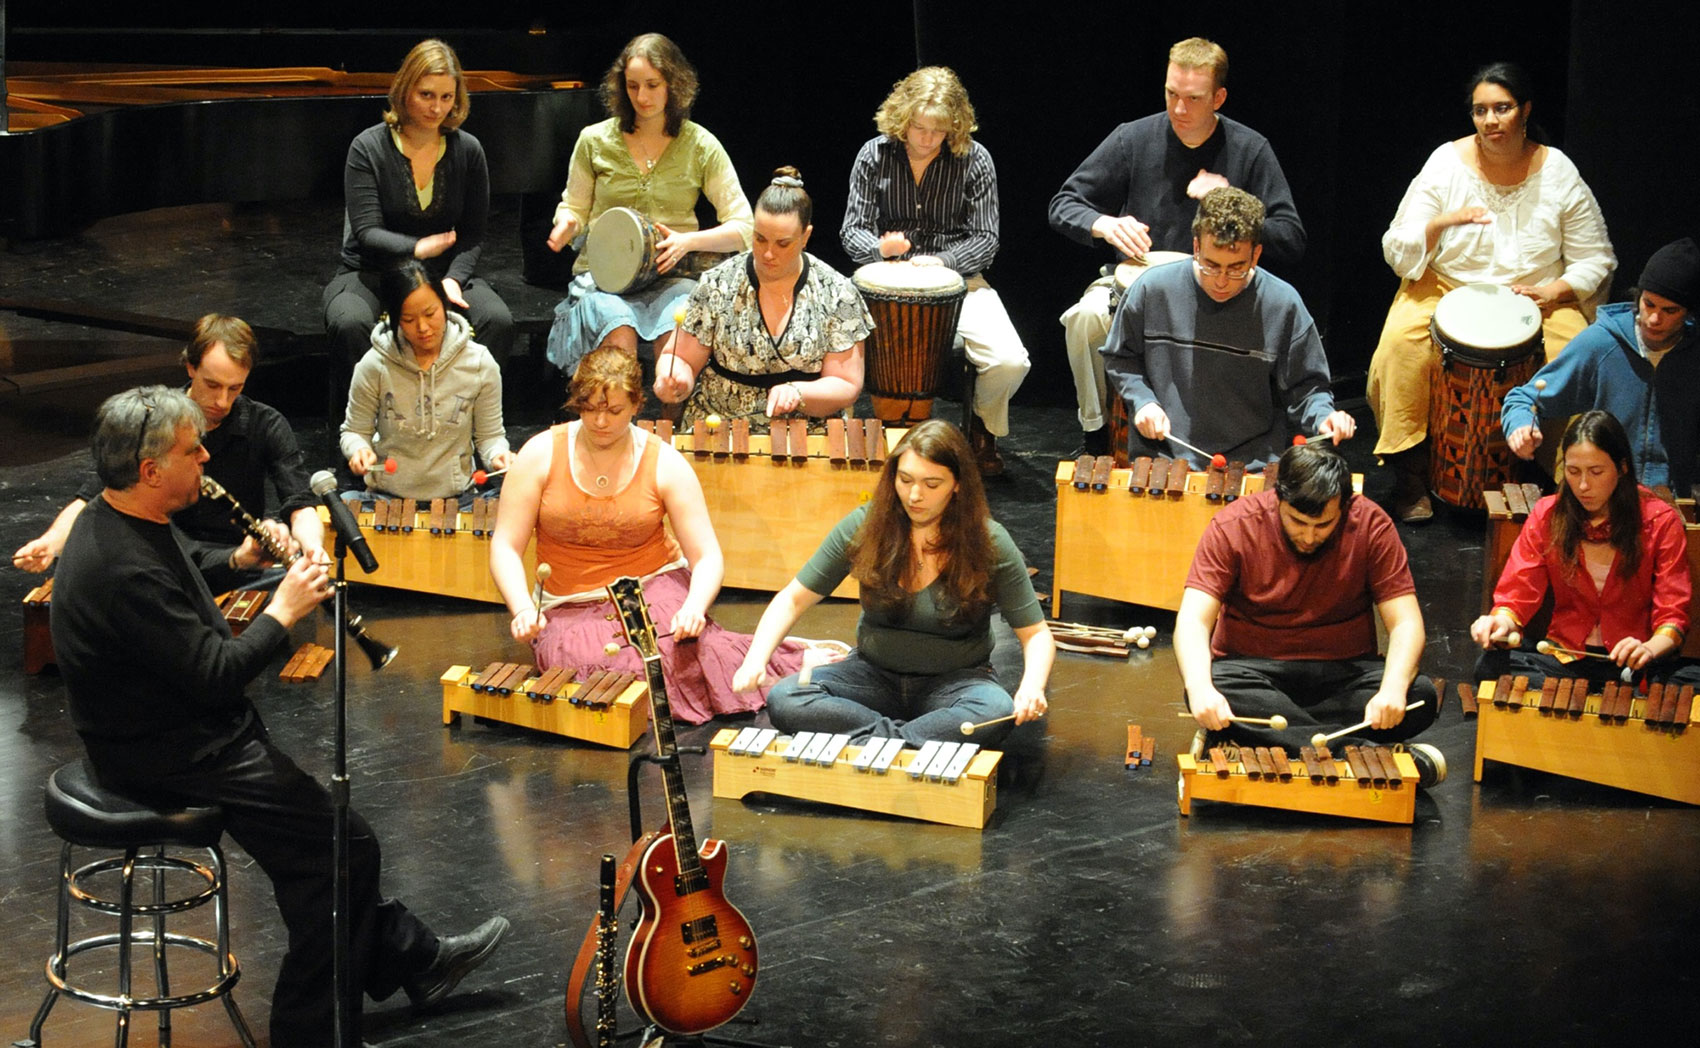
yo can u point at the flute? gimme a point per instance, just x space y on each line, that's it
377 652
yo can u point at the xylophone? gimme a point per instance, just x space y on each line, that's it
1644 743
1509 506
945 782
239 608
1129 534
38 631
307 664
1376 783
606 708
430 547
772 496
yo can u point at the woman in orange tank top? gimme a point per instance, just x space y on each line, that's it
599 494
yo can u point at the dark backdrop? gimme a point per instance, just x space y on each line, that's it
1352 98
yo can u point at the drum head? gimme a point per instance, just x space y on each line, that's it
1128 273
907 280
619 247
1487 322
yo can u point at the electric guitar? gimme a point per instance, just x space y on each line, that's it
691 963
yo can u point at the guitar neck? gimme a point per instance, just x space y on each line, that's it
640 631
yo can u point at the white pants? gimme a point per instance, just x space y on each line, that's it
1085 327
990 341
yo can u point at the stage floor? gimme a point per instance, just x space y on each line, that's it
1529 908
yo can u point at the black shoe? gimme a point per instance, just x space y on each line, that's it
1095 442
1430 762
986 451
457 956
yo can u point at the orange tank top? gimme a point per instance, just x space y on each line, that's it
590 540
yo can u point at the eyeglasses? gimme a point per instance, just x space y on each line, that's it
1237 271
142 434
1498 109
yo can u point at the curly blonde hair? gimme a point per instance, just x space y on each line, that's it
934 91
428 58
605 370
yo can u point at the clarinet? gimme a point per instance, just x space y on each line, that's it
377 652
607 972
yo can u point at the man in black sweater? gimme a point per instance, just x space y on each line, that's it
155 683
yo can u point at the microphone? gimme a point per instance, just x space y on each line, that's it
347 528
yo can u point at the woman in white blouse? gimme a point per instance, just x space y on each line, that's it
1496 207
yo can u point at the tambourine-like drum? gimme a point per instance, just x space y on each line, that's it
1128 273
621 250
915 309
1489 338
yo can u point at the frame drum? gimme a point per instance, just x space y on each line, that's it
621 250
1128 273
1489 339
915 310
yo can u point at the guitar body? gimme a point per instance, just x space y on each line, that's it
692 959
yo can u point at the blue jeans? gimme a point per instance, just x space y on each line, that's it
857 698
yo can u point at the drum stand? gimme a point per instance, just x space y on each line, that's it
653 1035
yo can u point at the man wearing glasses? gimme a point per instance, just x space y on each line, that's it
1137 191
1219 354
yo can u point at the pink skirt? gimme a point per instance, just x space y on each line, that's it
698 672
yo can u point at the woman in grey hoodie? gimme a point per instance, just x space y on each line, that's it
423 397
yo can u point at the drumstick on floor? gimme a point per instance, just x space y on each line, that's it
1319 740
1278 722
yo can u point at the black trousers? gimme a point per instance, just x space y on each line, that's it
1315 696
283 817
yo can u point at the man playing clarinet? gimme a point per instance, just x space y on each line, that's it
155 686
1277 619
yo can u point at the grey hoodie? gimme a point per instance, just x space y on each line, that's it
428 421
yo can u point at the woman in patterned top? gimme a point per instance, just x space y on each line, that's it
772 331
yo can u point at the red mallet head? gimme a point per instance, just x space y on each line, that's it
1299 440
480 477
1218 462
389 465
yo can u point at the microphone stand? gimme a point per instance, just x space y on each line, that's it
339 802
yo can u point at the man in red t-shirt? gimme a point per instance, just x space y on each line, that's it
1277 617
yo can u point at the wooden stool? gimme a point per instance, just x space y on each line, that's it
84 814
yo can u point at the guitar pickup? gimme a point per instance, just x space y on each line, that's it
699 929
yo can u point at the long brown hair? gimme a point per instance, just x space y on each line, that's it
881 556
1623 508
675 69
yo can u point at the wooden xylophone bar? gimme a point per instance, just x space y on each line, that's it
954 783
435 550
1615 738
606 707
1367 782
773 495
307 664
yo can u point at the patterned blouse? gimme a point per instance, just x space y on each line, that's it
827 316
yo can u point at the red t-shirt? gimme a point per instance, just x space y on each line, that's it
1278 604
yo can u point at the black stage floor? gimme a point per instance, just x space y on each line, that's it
1527 909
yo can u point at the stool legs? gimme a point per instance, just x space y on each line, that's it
126 941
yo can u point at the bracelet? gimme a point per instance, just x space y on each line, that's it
1676 635
801 402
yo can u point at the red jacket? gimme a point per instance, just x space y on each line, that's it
1657 596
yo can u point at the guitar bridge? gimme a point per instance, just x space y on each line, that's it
712 963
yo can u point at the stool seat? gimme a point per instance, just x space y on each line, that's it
83 812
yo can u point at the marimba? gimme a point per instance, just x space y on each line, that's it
1376 783
239 608
1644 743
773 496
430 546
607 708
955 783
1508 507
